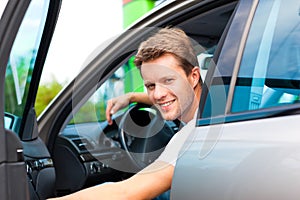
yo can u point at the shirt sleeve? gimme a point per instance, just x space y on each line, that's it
174 148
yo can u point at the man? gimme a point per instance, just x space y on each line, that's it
169 68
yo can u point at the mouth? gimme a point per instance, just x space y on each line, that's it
166 105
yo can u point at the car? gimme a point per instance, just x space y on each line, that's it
245 145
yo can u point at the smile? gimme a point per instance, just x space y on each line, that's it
166 103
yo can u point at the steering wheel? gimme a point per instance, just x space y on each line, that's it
143 134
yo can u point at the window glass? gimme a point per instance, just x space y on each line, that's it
269 73
77 36
126 79
81 29
22 58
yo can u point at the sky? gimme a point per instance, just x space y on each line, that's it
81 28
2 5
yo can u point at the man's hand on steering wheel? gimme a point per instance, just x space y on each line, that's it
120 102
116 104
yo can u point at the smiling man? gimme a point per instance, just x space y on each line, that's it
172 94
169 68
167 54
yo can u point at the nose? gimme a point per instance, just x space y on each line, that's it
159 92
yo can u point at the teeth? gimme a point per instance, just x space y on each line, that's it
166 104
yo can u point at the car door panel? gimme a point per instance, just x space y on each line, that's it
236 163
13 169
250 148
12 165
27 171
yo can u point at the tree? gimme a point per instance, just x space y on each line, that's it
46 93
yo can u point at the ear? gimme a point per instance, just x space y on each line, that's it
195 76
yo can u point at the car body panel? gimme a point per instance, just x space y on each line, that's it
256 159
251 153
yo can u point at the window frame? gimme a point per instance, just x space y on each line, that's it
227 116
225 66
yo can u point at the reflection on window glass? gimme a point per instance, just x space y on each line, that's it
270 69
126 79
94 109
23 56
8 122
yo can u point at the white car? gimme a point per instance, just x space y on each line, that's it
246 144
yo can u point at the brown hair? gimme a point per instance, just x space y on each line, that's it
172 41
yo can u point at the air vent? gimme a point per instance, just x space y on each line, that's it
82 144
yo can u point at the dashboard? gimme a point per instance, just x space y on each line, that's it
92 153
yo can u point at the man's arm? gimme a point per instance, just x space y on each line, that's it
117 103
147 184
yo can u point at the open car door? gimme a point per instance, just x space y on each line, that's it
26 29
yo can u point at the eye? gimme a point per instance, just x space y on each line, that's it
150 86
169 80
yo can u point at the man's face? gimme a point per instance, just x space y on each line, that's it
168 87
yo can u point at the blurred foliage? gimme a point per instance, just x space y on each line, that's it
17 75
46 93
90 112
10 92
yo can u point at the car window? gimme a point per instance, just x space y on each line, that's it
91 31
126 79
94 109
22 60
269 73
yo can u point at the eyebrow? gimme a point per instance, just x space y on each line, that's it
160 80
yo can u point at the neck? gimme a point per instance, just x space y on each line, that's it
190 113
